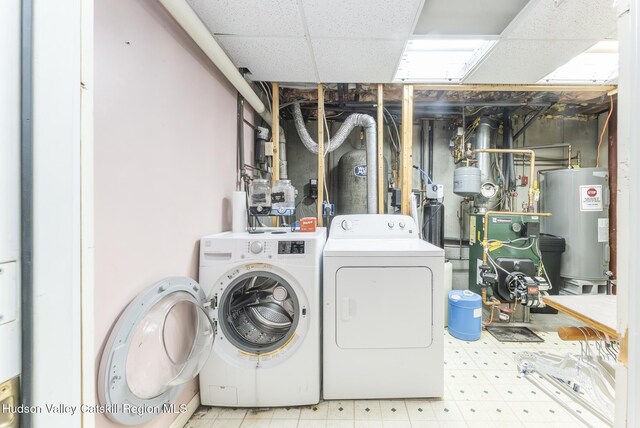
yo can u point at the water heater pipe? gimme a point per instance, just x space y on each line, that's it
554 146
353 120
533 188
191 23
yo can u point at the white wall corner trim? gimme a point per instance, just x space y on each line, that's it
183 418
56 217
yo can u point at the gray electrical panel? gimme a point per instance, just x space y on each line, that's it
579 202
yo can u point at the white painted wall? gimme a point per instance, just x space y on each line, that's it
9 187
56 252
633 379
87 212
164 158
628 378
9 130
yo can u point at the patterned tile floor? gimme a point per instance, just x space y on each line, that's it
482 389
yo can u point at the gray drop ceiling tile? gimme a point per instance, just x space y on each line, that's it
464 17
250 17
276 59
565 19
353 19
525 61
359 61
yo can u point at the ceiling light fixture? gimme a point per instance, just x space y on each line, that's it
440 59
599 64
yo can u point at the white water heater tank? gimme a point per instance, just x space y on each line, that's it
578 200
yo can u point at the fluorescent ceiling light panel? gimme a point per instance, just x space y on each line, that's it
599 64
440 60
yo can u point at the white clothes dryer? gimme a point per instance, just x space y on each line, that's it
250 327
383 327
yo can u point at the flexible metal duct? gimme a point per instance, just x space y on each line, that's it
353 120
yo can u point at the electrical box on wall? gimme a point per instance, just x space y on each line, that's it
312 191
268 148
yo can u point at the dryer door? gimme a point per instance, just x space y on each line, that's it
160 342
384 307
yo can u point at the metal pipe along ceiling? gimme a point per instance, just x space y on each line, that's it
189 21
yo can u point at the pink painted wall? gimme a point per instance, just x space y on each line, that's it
165 156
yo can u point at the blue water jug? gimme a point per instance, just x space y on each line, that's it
465 315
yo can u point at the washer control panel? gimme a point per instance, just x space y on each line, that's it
259 249
290 247
268 249
256 247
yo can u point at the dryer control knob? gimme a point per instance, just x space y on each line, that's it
401 224
391 224
256 247
347 224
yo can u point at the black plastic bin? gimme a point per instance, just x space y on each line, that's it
551 248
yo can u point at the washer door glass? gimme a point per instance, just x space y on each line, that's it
168 345
160 342
259 312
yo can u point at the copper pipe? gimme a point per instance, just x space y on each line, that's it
555 146
492 302
486 226
533 188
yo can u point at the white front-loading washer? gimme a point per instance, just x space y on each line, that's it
268 292
383 327
250 327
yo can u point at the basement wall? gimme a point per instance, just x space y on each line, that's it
165 158
581 133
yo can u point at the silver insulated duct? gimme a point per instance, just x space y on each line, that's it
483 141
353 120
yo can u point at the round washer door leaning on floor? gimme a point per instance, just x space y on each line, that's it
158 344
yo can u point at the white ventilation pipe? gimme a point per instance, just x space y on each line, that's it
191 23
353 120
